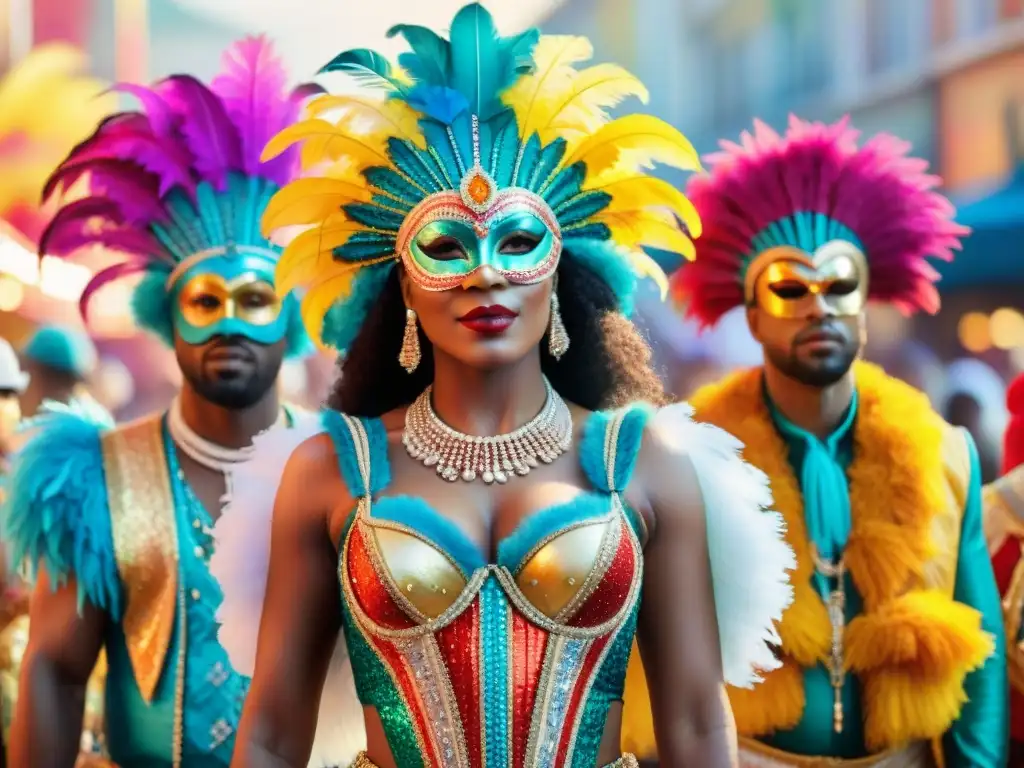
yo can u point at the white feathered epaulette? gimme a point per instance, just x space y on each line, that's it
240 563
750 559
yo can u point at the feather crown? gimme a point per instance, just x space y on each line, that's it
475 114
181 180
811 185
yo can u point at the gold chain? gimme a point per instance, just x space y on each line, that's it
836 606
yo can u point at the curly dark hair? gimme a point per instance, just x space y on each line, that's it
608 363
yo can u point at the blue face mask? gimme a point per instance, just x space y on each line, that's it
229 296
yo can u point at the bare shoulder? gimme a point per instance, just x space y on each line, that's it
394 420
580 418
312 484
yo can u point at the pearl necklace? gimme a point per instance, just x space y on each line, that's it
493 459
210 455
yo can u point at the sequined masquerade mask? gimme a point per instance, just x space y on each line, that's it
788 282
229 297
451 235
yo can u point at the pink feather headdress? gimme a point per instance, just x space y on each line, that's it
183 175
809 186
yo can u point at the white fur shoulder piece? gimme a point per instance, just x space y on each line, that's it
750 559
240 563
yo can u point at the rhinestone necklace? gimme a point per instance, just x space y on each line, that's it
493 459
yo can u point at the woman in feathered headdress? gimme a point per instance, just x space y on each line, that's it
476 238
116 521
893 646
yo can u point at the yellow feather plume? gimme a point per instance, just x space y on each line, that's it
644 266
584 105
553 56
634 141
310 201
46 107
631 191
308 252
634 229
325 142
371 117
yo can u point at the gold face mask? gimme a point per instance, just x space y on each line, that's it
209 305
787 282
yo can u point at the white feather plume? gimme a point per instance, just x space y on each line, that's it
750 560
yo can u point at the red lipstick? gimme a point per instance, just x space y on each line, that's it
489 321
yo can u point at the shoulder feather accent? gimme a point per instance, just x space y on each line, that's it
750 559
56 515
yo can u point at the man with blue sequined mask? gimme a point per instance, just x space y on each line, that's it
144 495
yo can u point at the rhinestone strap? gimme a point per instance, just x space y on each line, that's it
626 761
493 459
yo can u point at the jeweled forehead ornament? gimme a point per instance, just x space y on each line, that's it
477 203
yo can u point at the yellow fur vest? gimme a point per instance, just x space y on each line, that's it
913 645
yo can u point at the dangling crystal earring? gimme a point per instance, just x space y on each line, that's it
558 338
409 356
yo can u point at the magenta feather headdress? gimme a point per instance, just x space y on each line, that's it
182 176
812 185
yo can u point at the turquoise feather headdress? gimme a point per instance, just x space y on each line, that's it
477 113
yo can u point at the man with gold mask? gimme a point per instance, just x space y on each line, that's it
893 648
117 522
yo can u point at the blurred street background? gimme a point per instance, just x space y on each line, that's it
946 75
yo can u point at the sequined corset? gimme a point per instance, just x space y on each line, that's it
513 663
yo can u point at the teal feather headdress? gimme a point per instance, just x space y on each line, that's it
477 113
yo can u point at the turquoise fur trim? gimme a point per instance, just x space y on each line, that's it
514 548
605 260
297 341
495 621
344 320
341 436
805 230
416 514
607 688
152 306
631 433
56 512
